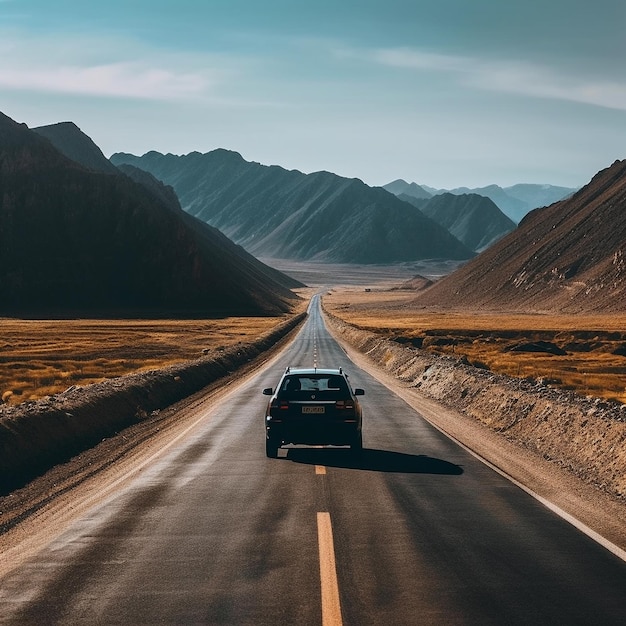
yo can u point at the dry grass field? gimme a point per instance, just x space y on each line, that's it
40 358
593 363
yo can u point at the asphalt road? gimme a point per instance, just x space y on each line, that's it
414 531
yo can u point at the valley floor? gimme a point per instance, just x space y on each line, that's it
368 276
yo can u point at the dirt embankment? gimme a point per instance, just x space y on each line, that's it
35 436
585 436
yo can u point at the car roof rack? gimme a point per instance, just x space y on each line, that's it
315 368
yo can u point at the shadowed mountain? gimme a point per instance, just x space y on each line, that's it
276 213
164 193
77 241
416 202
514 208
518 200
472 219
68 139
568 257
218 239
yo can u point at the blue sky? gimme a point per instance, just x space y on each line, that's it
443 92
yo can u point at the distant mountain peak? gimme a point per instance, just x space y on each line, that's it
401 187
514 201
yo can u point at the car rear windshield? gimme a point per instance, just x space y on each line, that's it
334 386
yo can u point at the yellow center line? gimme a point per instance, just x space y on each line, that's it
320 469
331 609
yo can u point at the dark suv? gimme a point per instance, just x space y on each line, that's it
313 406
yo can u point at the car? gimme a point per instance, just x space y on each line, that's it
313 406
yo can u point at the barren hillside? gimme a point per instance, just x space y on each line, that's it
567 257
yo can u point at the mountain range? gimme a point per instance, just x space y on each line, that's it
568 257
514 201
78 239
279 213
80 234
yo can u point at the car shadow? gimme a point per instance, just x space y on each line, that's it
373 460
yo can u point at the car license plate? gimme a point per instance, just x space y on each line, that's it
313 409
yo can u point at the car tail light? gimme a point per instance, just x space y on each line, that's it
281 405
342 405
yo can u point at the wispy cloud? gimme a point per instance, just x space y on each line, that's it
121 68
117 80
102 66
514 77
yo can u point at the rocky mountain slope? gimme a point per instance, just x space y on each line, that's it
568 257
472 219
79 241
277 213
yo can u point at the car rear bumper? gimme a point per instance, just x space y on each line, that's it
328 433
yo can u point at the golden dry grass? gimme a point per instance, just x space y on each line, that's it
40 358
588 368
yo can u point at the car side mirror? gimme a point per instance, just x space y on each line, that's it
268 392
359 392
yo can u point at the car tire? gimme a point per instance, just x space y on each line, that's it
357 443
271 448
